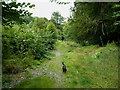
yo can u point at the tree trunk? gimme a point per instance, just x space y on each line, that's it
101 41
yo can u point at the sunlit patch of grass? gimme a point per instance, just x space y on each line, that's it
39 82
90 66
87 67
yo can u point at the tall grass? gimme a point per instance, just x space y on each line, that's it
91 66
87 67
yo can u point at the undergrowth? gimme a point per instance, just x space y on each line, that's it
87 67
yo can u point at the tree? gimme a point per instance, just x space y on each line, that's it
59 2
93 23
40 23
52 29
12 12
28 19
115 33
58 20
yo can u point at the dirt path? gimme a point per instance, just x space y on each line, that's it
57 53
83 70
52 69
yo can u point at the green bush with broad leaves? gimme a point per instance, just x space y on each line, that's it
35 39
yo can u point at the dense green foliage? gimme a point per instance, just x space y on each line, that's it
88 67
93 23
58 20
16 11
116 13
34 39
28 41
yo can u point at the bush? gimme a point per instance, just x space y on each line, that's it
24 40
12 66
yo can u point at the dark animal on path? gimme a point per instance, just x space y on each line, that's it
64 67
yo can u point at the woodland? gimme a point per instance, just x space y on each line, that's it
33 48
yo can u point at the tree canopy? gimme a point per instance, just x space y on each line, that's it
13 12
94 23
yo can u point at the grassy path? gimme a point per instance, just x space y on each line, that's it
50 71
88 67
